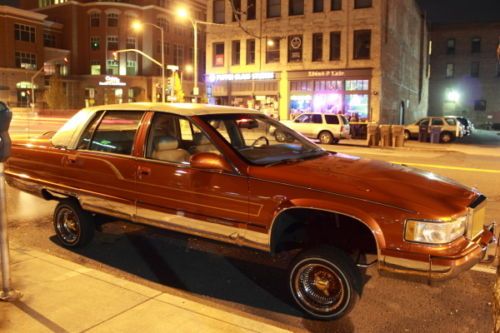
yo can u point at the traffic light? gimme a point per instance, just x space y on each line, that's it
5 118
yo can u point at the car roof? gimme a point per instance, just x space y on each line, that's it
184 109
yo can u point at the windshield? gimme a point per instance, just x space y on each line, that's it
262 140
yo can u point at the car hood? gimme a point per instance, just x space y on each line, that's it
376 181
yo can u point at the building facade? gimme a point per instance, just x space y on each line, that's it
89 33
285 57
465 77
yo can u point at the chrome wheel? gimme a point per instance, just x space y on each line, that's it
68 225
325 137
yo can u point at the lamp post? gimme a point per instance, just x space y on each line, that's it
184 14
137 26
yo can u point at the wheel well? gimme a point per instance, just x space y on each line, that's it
304 228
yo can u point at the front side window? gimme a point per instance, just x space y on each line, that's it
296 7
475 45
317 47
273 8
450 121
218 54
261 140
362 42
218 11
24 33
362 3
235 52
116 132
272 50
437 122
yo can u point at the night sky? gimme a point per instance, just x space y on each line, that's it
459 11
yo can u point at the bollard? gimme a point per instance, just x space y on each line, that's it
385 135
398 137
435 134
372 135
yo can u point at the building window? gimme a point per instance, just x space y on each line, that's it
25 60
273 8
179 55
272 50
450 46
112 20
95 68
296 7
95 43
95 20
450 70
362 41
336 5
218 54
236 10
131 43
474 69
335 45
317 47
131 67
480 105
164 24
112 67
49 40
112 43
250 51
318 6
251 9
362 3
219 12
475 46
25 33
235 52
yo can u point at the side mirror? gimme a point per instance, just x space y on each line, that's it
5 143
210 161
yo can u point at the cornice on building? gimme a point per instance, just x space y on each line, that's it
21 13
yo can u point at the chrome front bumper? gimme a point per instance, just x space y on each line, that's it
437 268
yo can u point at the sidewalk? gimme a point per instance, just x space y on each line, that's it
62 296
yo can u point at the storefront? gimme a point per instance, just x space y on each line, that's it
259 90
330 91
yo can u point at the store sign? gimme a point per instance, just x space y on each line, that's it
325 73
295 48
240 76
112 81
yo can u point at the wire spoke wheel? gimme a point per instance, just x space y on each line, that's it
73 226
68 225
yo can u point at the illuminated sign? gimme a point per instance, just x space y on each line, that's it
112 81
240 76
325 73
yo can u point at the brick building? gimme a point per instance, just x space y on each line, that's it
90 31
289 56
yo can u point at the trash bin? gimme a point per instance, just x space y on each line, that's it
435 134
385 135
423 133
372 135
398 135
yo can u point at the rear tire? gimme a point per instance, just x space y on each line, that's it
325 137
325 283
74 226
446 137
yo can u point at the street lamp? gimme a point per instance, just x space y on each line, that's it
38 72
183 13
138 26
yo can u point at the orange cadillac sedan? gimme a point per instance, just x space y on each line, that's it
219 172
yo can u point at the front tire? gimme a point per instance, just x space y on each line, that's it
407 135
325 137
325 283
74 226
446 137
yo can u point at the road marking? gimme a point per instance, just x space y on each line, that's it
437 166
484 269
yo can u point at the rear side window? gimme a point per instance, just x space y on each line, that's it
316 119
332 119
116 132
437 122
451 121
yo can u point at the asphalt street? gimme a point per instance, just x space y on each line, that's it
253 284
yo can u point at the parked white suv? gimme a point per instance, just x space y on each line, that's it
451 128
328 128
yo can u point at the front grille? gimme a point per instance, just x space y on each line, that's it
476 217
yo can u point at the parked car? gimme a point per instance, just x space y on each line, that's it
467 124
219 172
327 128
451 128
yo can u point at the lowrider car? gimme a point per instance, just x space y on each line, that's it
219 172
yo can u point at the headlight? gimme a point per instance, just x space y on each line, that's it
435 232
